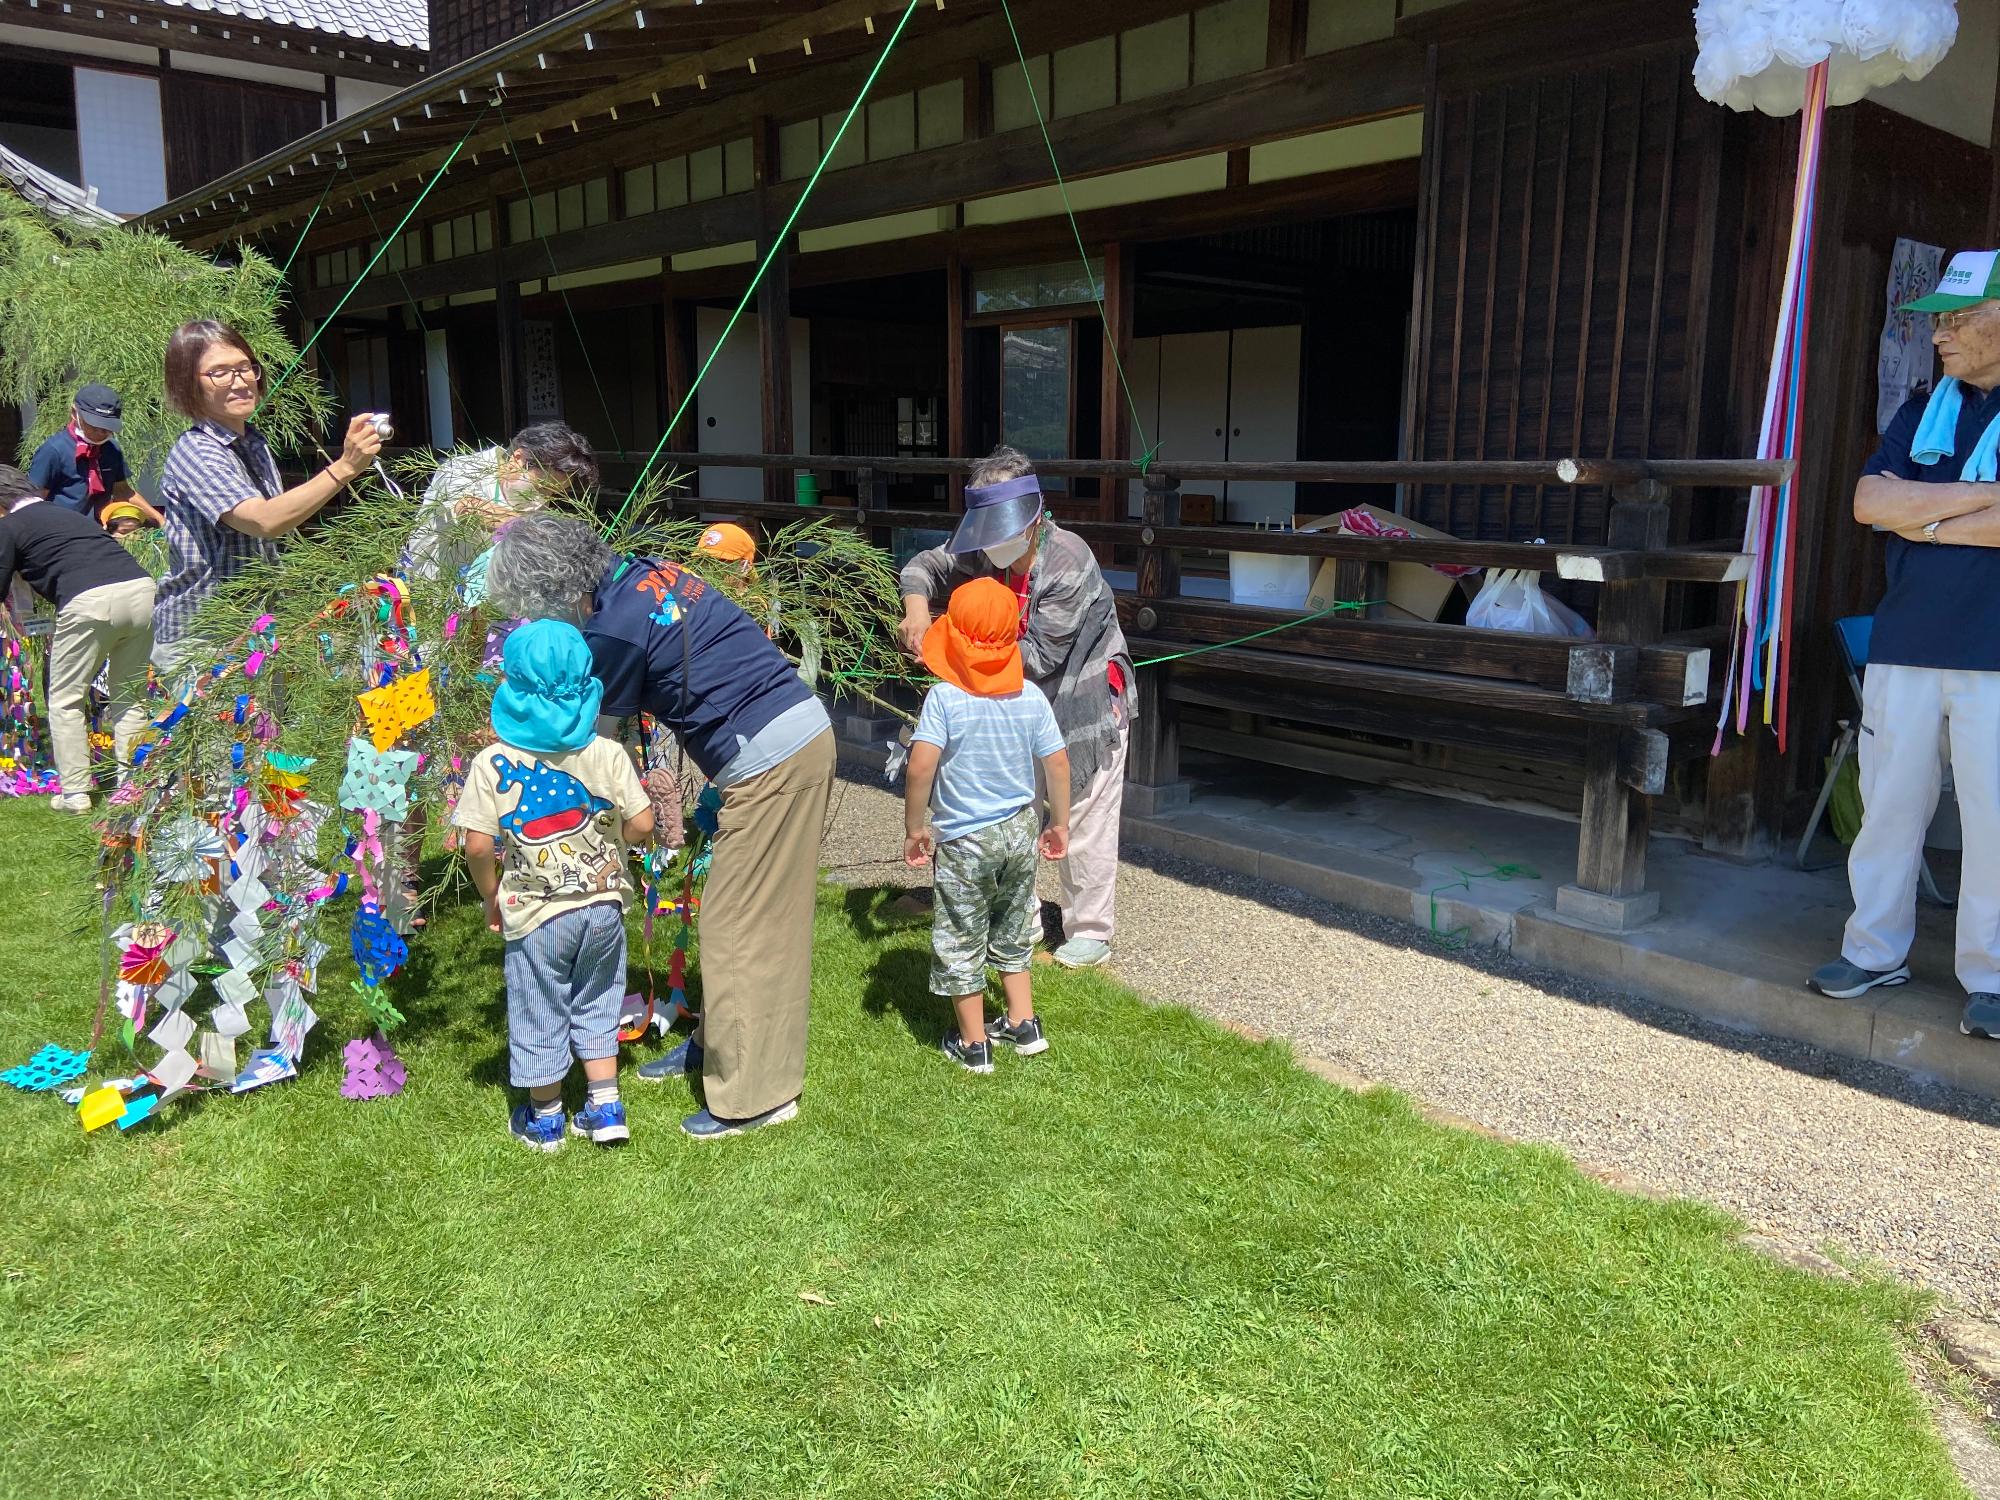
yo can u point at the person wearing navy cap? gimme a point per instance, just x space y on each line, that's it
82 467
1071 648
1932 684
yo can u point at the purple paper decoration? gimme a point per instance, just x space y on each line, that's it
373 1069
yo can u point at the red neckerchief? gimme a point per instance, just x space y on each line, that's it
86 457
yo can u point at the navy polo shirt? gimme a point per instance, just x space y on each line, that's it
55 472
649 618
1942 607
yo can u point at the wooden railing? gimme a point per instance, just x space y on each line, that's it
1623 704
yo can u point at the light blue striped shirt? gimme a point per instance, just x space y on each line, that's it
990 745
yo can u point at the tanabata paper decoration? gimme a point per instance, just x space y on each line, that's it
291 1017
381 1009
137 1109
173 1031
218 1057
174 1071
229 1019
379 951
1754 54
395 708
268 1066
50 1068
184 850
100 1107
373 1069
377 780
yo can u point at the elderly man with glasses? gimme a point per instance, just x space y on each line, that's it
1933 678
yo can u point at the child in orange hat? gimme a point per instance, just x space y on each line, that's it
971 806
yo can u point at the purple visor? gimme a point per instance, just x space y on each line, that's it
995 512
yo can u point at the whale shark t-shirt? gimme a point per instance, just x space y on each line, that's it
558 820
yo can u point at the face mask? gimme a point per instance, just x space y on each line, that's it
1008 552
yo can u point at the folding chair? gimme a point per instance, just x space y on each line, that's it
1853 635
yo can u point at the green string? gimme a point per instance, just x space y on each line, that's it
380 250
1083 255
1342 607
1458 937
777 244
450 385
339 166
575 327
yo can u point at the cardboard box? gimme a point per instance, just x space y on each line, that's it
1415 592
1266 580
1197 510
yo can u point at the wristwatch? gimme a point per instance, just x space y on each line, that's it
1930 533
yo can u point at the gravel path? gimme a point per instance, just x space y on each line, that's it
1816 1149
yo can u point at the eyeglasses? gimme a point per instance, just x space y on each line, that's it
230 374
1951 322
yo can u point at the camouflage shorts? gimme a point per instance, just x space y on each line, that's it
984 911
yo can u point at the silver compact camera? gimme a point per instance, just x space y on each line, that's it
384 428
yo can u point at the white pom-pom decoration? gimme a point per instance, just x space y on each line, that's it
1754 53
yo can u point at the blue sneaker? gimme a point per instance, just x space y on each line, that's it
536 1132
602 1124
704 1126
683 1061
1982 1017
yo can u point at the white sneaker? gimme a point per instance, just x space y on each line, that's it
72 802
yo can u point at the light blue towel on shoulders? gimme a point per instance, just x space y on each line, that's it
1937 436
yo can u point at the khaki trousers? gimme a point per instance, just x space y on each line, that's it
112 624
757 934
1089 872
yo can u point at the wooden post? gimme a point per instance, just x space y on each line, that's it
1610 889
1153 765
507 324
954 375
1114 412
774 338
677 363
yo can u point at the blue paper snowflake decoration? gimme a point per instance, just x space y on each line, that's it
50 1068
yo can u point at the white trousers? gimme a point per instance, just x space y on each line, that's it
1089 873
112 625
1906 715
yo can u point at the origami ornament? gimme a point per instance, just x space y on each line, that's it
381 1010
218 1057
137 1109
229 1019
50 1068
377 780
373 1069
396 708
268 1066
291 1017
173 1031
174 1071
185 851
100 1107
144 964
379 951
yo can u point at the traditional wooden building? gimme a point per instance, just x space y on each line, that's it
1314 232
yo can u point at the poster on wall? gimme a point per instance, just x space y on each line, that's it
1906 357
541 375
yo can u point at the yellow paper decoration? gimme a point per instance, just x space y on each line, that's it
100 1107
395 708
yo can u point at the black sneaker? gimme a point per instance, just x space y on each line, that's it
1026 1039
978 1058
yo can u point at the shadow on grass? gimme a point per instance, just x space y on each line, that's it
870 909
900 981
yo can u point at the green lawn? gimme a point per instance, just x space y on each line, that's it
1158 1261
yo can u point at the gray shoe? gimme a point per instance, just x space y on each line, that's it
1841 980
1082 953
1982 1016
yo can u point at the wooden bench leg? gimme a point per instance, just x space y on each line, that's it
1153 763
1610 889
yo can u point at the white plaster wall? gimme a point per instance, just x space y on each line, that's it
253 72
1958 94
350 94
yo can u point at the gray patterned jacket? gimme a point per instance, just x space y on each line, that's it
1072 636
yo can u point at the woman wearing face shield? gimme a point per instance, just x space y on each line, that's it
1071 648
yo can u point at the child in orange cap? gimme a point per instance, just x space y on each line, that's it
971 806
730 543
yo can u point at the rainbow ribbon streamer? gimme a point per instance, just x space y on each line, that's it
1760 653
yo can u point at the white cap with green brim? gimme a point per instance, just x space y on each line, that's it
1973 276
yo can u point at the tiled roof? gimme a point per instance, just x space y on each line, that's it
51 194
396 23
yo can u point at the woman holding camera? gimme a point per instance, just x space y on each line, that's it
223 499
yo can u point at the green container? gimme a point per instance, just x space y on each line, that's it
807 484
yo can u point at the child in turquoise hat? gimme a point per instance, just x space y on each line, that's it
548 810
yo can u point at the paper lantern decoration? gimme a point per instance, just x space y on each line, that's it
1755 53
185 851
396 708
377 780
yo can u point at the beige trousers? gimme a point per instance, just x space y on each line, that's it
112 624
757 934
1089 874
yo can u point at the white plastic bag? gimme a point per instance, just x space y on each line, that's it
1512 599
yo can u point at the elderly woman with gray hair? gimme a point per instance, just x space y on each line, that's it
665 643
1071 648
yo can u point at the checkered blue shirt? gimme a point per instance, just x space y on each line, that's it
208 474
